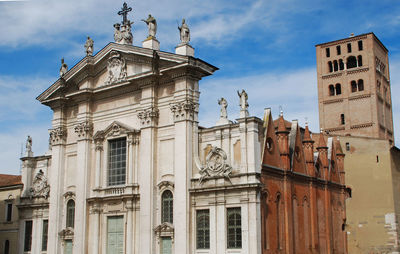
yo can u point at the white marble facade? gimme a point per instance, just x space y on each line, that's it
150 100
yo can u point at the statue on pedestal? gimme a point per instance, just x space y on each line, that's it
224 105
89 46
184 32
28 146
151 25
243 103
64 68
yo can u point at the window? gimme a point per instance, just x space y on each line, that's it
338 50
335 66
360 45
359 61
360 85
70 213
338 89
28 235
351 62
68 247
341 64
348 47
330 66
9 212
331 90
167 207
328 52
353 86
342 120
117 161
203 229
378 86
7 247
45 231
234 228
347 146
115 234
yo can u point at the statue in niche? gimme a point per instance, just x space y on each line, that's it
184 32
40 186
151 25
28 146
89 46
224 105
64 68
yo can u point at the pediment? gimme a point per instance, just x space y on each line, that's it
116 64
115 129
164 227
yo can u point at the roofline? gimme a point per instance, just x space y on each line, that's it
360 35
12 186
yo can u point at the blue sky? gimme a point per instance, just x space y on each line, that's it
265 47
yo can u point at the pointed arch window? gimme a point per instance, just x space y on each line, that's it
167 207
70 213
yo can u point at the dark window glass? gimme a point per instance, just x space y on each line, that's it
348 47
342 120
360 85
328 52
353 86
167 210
351 62
234 228
338 50
347 146
341 64
359 61
117 162
7 247
28 235
338 89
335 66
331 90
330 66
9 212
360 45
70 213
45 231
203 229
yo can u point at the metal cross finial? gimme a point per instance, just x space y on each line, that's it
124 12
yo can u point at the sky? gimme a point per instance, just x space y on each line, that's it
266 47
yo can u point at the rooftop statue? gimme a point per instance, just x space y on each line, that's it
224 105
151 25
28 146
89 46
184 32
123 32
243 103
64 68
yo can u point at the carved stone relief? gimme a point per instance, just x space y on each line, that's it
40 186
116 68
216 165
58 135
148 116
183 110
84 129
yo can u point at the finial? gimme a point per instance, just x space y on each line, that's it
123 31
352 35
280 110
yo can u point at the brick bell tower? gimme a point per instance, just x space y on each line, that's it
354 87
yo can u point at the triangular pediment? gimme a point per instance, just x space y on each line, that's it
117 64
115 129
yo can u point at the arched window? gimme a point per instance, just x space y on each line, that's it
6 247
359 61
351 62
360 85
330 66
70 213
335 66
353 86
338 89
341 64
331 90
167 207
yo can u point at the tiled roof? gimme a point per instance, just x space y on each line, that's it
9 180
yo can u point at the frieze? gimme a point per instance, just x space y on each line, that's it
183 110
58 135
357 71
333 101
332 75
360 97
359 126
216 165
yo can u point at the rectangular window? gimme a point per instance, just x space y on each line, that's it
234 228
117 161
28 235
9 212
347 146
338 50
360 45
166 245
342 120
68 247
348 47
115 235
45 231
328 52
203 229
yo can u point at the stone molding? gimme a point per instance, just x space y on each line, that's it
183 110
58 135
359 126
67 234
84 129
148 117
165 229
69 195
216 165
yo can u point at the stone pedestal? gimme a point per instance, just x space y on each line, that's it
223 121
151 43
184 49
244 113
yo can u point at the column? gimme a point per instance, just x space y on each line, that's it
94 229
99 151
129 226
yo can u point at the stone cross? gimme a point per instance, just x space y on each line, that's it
124 12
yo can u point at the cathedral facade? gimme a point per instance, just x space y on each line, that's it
129 170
